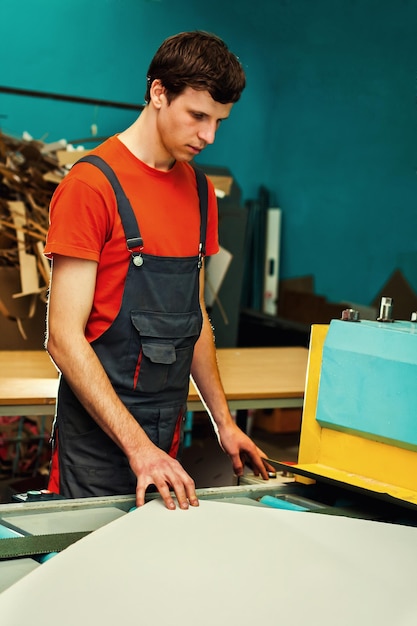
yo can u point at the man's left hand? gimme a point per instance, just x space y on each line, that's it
242 450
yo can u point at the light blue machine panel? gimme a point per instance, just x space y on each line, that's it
368 381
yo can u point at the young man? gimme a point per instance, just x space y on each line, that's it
126 316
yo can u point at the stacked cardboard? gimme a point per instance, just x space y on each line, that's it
29 173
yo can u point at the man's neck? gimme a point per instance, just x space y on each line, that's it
141 138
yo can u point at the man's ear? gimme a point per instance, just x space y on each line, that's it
157 93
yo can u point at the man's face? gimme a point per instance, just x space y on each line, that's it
189 123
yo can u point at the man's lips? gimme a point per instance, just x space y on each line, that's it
195 149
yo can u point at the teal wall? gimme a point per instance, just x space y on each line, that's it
328 121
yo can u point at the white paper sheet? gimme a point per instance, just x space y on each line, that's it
215 272
225 564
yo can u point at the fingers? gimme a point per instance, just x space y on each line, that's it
164 492
140 495
184 490
259 467
166 496
272 472
241 450
237 464
171 480
255 459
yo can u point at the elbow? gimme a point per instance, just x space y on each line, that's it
63 344
54 343
50 346
51 350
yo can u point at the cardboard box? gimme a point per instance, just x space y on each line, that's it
278 420
404 297
299 303
30 310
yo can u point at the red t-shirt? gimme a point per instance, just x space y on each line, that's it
85 224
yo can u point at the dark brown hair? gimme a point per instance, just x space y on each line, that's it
198 60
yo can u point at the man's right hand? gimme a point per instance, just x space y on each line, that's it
154 467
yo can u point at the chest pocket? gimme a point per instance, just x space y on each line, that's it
166 349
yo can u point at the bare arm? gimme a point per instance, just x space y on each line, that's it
206 375
70 301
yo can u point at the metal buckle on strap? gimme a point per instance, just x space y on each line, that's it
132 243
201 254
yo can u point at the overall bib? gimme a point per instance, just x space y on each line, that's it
146 353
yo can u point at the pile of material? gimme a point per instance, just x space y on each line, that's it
29 174
30 171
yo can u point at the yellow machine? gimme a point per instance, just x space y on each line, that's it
359 426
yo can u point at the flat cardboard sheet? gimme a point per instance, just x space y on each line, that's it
13 570
215 272
225 564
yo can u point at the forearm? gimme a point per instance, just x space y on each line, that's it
205 373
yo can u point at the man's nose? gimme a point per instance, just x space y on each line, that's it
208 133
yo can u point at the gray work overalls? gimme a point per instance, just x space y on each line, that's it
146 353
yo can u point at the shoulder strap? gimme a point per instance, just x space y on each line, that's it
130 224
202 189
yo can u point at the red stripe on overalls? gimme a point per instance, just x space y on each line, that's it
137 370
53 482
175 444
176 439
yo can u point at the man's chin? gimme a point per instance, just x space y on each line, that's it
184 157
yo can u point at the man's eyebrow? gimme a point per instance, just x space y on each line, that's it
204 114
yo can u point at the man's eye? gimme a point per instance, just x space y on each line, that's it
198 116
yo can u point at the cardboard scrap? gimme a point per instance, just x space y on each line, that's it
28 267
29 174
221 183
69 157
403 296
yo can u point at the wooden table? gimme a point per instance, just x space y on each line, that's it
26 364
252 378
256 378
28 383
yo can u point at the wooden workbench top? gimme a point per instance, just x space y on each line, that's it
262 372
26 364
29 377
